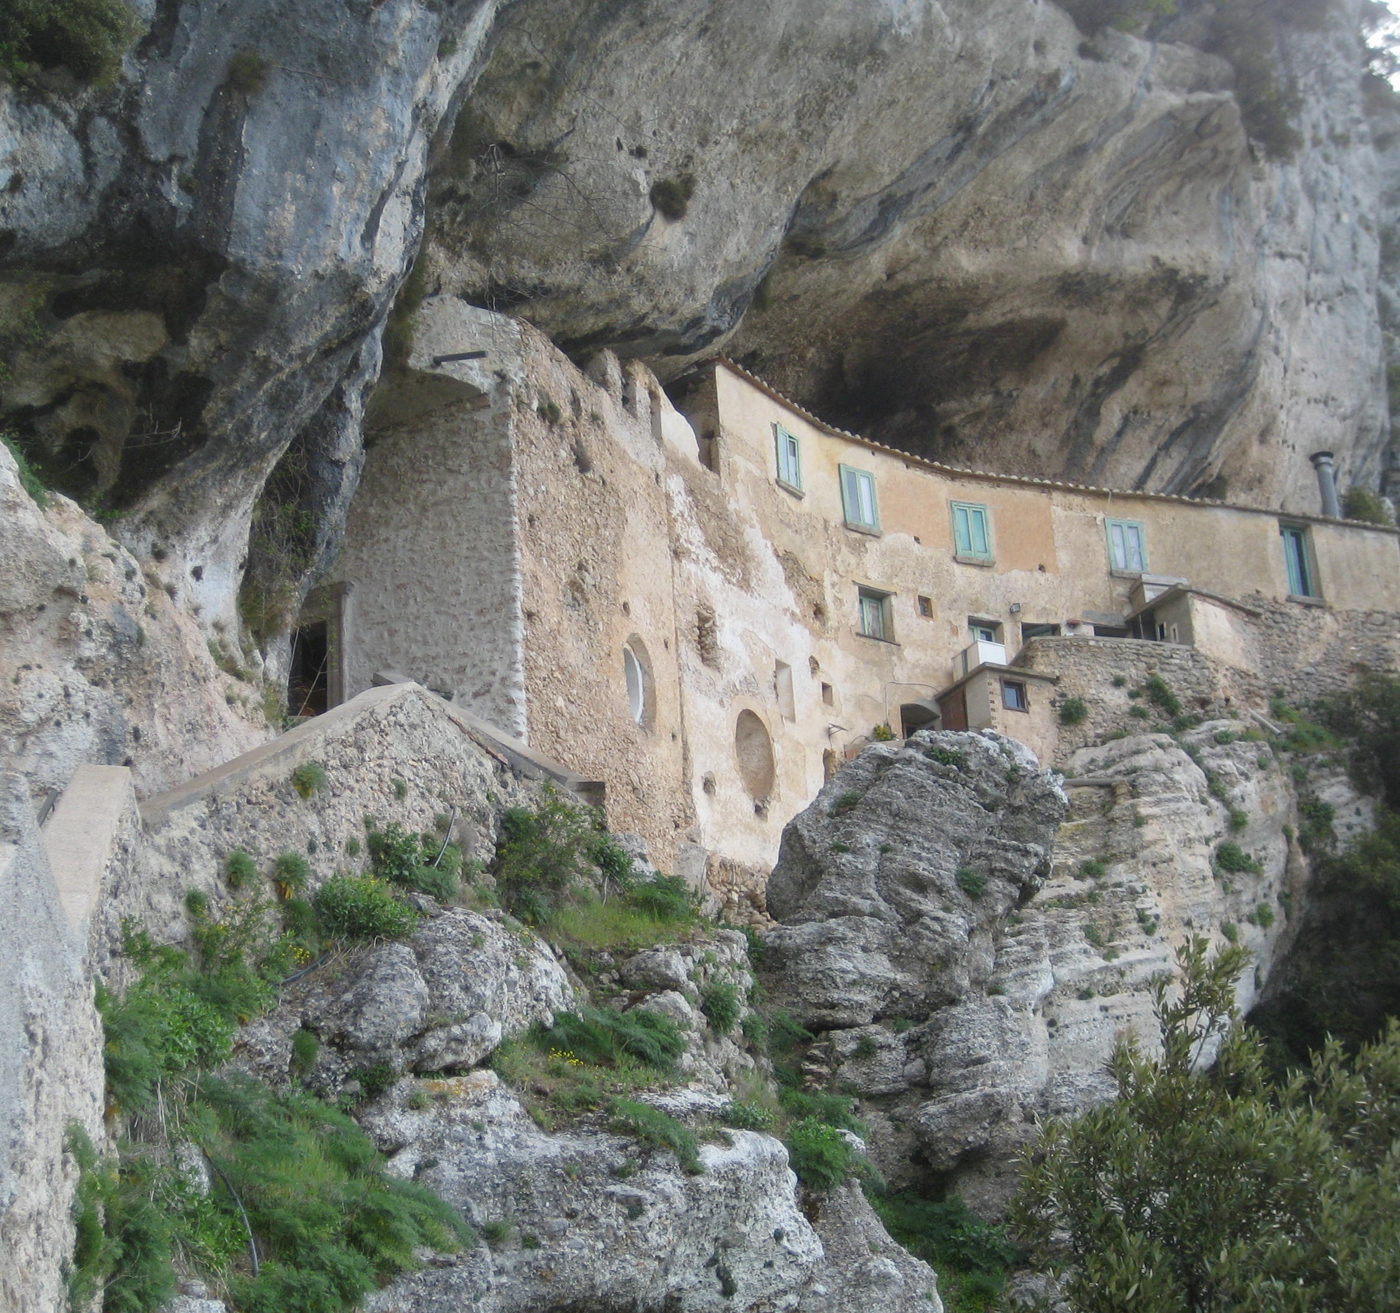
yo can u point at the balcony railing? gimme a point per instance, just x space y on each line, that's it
976 654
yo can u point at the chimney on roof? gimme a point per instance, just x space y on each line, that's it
1326 484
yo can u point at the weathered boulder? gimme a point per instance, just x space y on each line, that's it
962 1021
588 1219
888 885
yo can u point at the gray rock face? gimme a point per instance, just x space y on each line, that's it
961 1021
232 221
889 884
593 1220
443 999
945 225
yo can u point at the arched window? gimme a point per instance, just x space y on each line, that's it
636 676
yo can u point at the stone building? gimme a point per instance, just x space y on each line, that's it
708 611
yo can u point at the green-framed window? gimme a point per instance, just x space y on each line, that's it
789 456
858 502
1127 545
1297 555
875 618
972 531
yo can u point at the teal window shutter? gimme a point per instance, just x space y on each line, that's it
858 498
1127 545
789 457
971 530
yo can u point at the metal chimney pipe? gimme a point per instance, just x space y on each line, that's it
1326 484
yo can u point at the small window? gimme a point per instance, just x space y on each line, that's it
789 452
636 677
984 631
1127 546
875 615
1013 695
782 690
858 499
972 531
828 695
1031 630
1298 556
926 607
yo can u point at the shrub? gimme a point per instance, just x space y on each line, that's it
28 479
666 898
820 1154
290 873
819 1105
847 802
1232 858
407 860
603 1035
747 1116
310 777
87 37
1193 1181
1160 694
945 1233
721 1002
1231 931
497 1232
1263 916
362 907
1367 506
542 853
671 196
1092 869
953 757
972 883
306 1047
239 869
1073 711
654 1127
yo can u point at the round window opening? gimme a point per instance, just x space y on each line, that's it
636 675
753 750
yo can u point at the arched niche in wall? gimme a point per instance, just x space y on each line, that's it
641 688
753 750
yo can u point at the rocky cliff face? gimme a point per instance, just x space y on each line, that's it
968 941
963 227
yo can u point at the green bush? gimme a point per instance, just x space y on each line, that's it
1092 868
1230 857
310 777
603 1035
972 883
291 873
1160 694
953 757
1221 1189
945 1233
87 37
239 869
306 1047
822 1106
1367 506
1073 711
666 898
542 853
656 1128
820 1154
722 1002
747 1116
362 907
407 860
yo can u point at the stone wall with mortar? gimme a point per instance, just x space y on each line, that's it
432 546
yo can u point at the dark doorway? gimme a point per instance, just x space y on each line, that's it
1030 631
308 686
914 716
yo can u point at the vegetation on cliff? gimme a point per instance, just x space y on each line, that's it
1224 1190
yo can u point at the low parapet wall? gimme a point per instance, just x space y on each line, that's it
53 885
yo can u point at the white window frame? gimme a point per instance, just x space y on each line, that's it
972 510
859 503
787 451
1120 555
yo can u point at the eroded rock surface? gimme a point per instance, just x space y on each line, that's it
960 1019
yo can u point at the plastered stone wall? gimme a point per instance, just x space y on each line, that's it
432 547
